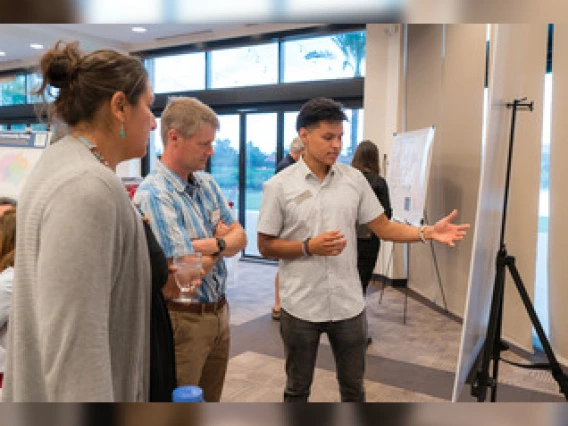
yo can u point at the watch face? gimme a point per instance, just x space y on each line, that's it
221 244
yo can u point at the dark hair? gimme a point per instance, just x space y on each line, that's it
8 201
366 157
87 81
319 109
7 238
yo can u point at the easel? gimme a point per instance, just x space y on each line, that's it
493 344
435 261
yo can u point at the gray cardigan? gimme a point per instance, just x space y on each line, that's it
79 326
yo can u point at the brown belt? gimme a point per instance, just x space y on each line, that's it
197 308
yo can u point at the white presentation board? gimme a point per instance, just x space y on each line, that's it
19 152
486 234
408 172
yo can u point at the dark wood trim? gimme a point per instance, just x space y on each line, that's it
268 97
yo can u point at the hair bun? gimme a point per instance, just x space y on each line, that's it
59 72
59 64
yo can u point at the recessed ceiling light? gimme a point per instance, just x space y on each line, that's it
139 29
36 46
2 53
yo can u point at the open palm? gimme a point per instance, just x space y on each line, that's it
446 232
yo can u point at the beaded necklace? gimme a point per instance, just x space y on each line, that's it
94 150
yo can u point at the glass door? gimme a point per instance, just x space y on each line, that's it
261 131
225 161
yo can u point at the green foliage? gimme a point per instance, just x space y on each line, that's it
352 45
255 157
225 154
225 166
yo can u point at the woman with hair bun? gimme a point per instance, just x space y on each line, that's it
80 319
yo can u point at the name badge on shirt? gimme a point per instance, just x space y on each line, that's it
215 215
303 196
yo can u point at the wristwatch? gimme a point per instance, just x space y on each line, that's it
220 245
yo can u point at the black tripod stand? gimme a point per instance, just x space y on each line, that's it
493 344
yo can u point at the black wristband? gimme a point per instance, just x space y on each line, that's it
305 248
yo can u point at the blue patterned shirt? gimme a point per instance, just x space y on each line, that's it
179 212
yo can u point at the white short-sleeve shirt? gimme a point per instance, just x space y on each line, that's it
296 205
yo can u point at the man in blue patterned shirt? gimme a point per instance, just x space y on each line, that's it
188 212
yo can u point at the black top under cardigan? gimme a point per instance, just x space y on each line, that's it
162 353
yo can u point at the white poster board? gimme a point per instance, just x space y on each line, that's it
19 152
408 173
508 53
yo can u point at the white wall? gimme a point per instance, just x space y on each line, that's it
382 111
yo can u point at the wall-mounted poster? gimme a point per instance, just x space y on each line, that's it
19 152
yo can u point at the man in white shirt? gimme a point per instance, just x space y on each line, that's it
307 220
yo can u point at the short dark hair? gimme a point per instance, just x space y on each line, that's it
319 109
8 201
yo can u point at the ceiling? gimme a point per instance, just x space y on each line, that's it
15 39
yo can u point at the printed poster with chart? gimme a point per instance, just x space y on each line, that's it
19 152
408 173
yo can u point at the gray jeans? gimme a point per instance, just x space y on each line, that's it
348 339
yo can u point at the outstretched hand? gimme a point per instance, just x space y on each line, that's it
446 232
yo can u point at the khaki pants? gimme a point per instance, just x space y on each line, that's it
202 350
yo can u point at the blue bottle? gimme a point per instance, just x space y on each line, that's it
187 394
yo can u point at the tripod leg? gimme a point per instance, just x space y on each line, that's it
497 345
438 275
405 303
555 368
493 332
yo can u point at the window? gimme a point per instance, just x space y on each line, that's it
325 58
289 130
352 133
225 160
541 284
244 66
38 127
18 127
13 89
155 146
260 164
177 73
33 82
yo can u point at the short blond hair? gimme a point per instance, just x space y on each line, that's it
186 115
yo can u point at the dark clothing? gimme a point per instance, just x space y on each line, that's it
285 162
162 353
348 340
367 242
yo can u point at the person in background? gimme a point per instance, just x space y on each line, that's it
7 244
6 203
366 160
188 213
307 219
80 318
296 149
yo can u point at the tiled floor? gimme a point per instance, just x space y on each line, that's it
412 362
